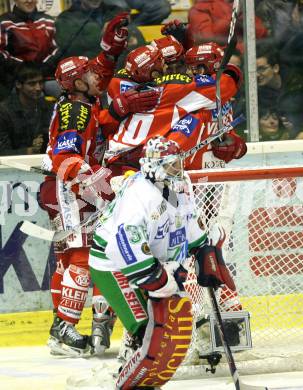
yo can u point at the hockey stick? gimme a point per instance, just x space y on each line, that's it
229 356
34 230
218 134
231 44
239 384
25 167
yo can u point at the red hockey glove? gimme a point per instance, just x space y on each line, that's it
232 147
210 267
114 39
133 101
176 28
235 72
95 182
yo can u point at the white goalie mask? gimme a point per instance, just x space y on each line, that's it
163 162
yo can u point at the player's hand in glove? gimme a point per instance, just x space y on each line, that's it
132 101
231 147
210 267
235 72
176 28
114 39
95 182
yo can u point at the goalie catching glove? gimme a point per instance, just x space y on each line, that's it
114 39
210 267
132 101
231 147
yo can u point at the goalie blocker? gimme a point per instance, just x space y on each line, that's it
210 267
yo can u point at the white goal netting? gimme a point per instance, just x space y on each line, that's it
261 211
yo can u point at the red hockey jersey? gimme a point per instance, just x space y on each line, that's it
175 116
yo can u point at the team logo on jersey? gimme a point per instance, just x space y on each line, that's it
201 223
177 237
226 108
126 85
203 80
186 125
124 247
176 78
162 230
74 115
68 142
155 215
145 248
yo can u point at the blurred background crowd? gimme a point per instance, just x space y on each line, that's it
36 35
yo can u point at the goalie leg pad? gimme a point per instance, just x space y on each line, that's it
165 344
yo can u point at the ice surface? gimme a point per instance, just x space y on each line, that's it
33 368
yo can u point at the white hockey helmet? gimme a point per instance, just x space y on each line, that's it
163 162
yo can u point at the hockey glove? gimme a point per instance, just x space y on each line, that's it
235 72
94 183
133 101
231 147
114 39
210 267
163 280
176 28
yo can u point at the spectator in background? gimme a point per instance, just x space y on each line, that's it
209 20
150 12
271 126
26 35
79 29
280 18
275 89
25 115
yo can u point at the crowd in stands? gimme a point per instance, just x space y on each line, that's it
33 42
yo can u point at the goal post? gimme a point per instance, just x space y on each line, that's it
261 210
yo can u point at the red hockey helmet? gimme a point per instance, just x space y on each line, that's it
208 55
71 69
171 49
141 62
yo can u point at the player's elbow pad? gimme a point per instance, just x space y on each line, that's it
235 72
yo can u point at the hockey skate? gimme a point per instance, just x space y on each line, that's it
64 340
102 329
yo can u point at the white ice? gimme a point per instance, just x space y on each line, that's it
33 368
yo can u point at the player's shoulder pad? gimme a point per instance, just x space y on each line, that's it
175 78
73 115
204 80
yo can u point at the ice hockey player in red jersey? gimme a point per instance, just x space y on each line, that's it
202 62
180 96
77 133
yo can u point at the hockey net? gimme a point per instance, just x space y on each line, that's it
261 211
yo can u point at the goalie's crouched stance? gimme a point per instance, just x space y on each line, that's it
159 318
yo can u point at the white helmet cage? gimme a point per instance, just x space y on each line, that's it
163 162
